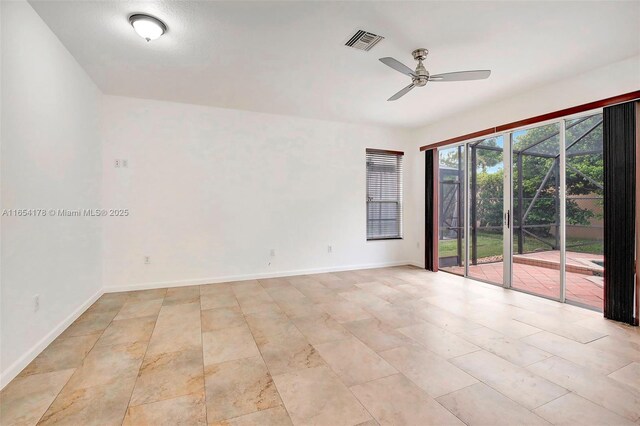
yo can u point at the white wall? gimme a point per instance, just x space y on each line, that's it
612 80
50 157
212 191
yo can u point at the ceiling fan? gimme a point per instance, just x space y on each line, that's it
421 76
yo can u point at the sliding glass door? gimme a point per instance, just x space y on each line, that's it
451 213
486 205
535 210
584 211
523 210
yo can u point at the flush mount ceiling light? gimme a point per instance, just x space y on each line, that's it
147 27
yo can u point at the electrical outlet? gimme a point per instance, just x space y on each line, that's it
147 260
125 163
36 303
329 249
116 163
272 253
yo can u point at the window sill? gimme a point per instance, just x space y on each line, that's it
383 239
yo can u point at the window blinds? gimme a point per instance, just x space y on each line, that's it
384 194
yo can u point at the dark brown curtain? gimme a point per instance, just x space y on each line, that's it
431 206
619 146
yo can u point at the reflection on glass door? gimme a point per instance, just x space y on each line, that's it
486 203
451 235
536 210
584 211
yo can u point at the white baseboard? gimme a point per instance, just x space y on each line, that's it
263 275
14 369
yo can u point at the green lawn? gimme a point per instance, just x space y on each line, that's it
490 244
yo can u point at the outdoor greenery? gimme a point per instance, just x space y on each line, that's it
490 244
539 167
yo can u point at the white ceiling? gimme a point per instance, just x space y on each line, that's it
290 58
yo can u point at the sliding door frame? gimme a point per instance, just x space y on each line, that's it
507 212
467 204
563 204
508 201
506 240
563 209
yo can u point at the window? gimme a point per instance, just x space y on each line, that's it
384 194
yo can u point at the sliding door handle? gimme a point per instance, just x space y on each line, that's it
507 218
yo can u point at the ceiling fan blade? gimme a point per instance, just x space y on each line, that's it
398 66
461 76
402 92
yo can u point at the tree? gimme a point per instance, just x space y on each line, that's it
539 149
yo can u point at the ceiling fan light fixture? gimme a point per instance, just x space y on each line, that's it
147 27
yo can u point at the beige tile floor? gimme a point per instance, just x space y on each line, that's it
387 346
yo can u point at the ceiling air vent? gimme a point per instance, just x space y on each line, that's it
363 40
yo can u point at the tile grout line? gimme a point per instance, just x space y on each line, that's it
142 360
478 379
329 366
602 406
204 374
377 354
260 351
580 394
409 379
569 391
515 303
257 347
171 352
85 357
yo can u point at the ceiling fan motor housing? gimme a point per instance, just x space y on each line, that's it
420 54
422 75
